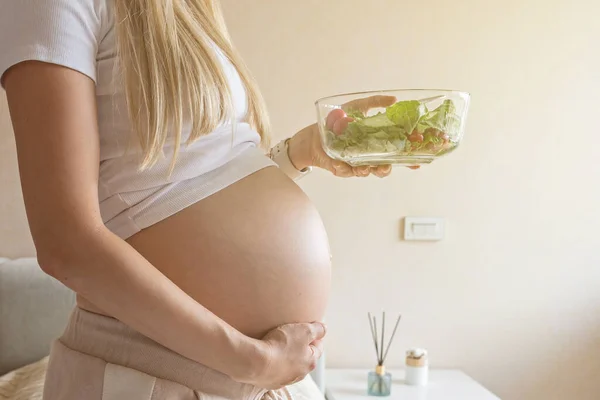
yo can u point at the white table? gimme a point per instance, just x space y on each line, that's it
351 384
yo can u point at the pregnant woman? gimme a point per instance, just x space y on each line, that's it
201 269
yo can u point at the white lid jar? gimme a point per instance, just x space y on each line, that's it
417 367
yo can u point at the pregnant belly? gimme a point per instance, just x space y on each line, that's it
256 253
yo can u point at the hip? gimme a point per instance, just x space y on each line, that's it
98 357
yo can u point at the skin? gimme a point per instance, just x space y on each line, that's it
53 112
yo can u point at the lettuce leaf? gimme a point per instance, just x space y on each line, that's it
406 114
443 118
355 114
377 121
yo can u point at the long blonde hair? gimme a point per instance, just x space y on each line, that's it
170 68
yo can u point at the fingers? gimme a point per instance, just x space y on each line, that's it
316 351
381 171
337 120
317 348
316 331
344 170
333 116
380 101
365 104
340 125
293 351
362 171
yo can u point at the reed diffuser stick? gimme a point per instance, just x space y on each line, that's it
373 335
382 336
376 339
381 348
392 338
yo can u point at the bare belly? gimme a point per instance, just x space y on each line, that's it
256 253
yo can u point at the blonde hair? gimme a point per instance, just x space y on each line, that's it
167 56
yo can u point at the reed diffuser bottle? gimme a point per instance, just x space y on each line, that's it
379 382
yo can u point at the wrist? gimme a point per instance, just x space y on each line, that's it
252 359
300 149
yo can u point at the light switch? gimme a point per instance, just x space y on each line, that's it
423 228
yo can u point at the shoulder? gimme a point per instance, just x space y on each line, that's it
63 32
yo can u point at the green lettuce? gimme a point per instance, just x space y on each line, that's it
355 114
443 118
404 128
406 114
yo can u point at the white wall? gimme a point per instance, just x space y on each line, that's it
512 295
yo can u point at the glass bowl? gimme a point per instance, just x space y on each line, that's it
409 127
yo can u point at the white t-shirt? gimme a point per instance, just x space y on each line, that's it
80 34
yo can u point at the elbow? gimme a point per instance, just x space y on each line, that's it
65 258
66 266
55 262
50 263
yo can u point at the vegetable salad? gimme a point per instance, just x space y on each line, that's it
404 129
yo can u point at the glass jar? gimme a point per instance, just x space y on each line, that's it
379 382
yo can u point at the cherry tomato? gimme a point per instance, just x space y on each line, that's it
415 137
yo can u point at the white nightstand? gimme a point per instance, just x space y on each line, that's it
351 384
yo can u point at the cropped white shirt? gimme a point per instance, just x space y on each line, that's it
80 34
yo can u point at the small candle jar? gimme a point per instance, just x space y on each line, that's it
417 367
379 382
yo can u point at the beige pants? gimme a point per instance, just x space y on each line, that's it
100 358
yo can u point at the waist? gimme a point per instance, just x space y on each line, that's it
143 202
89 335
114 342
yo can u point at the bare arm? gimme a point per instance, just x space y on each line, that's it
53 112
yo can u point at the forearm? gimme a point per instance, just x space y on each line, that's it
109 273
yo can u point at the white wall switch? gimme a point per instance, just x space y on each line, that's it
424 228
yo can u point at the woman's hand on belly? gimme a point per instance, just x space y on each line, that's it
286 355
